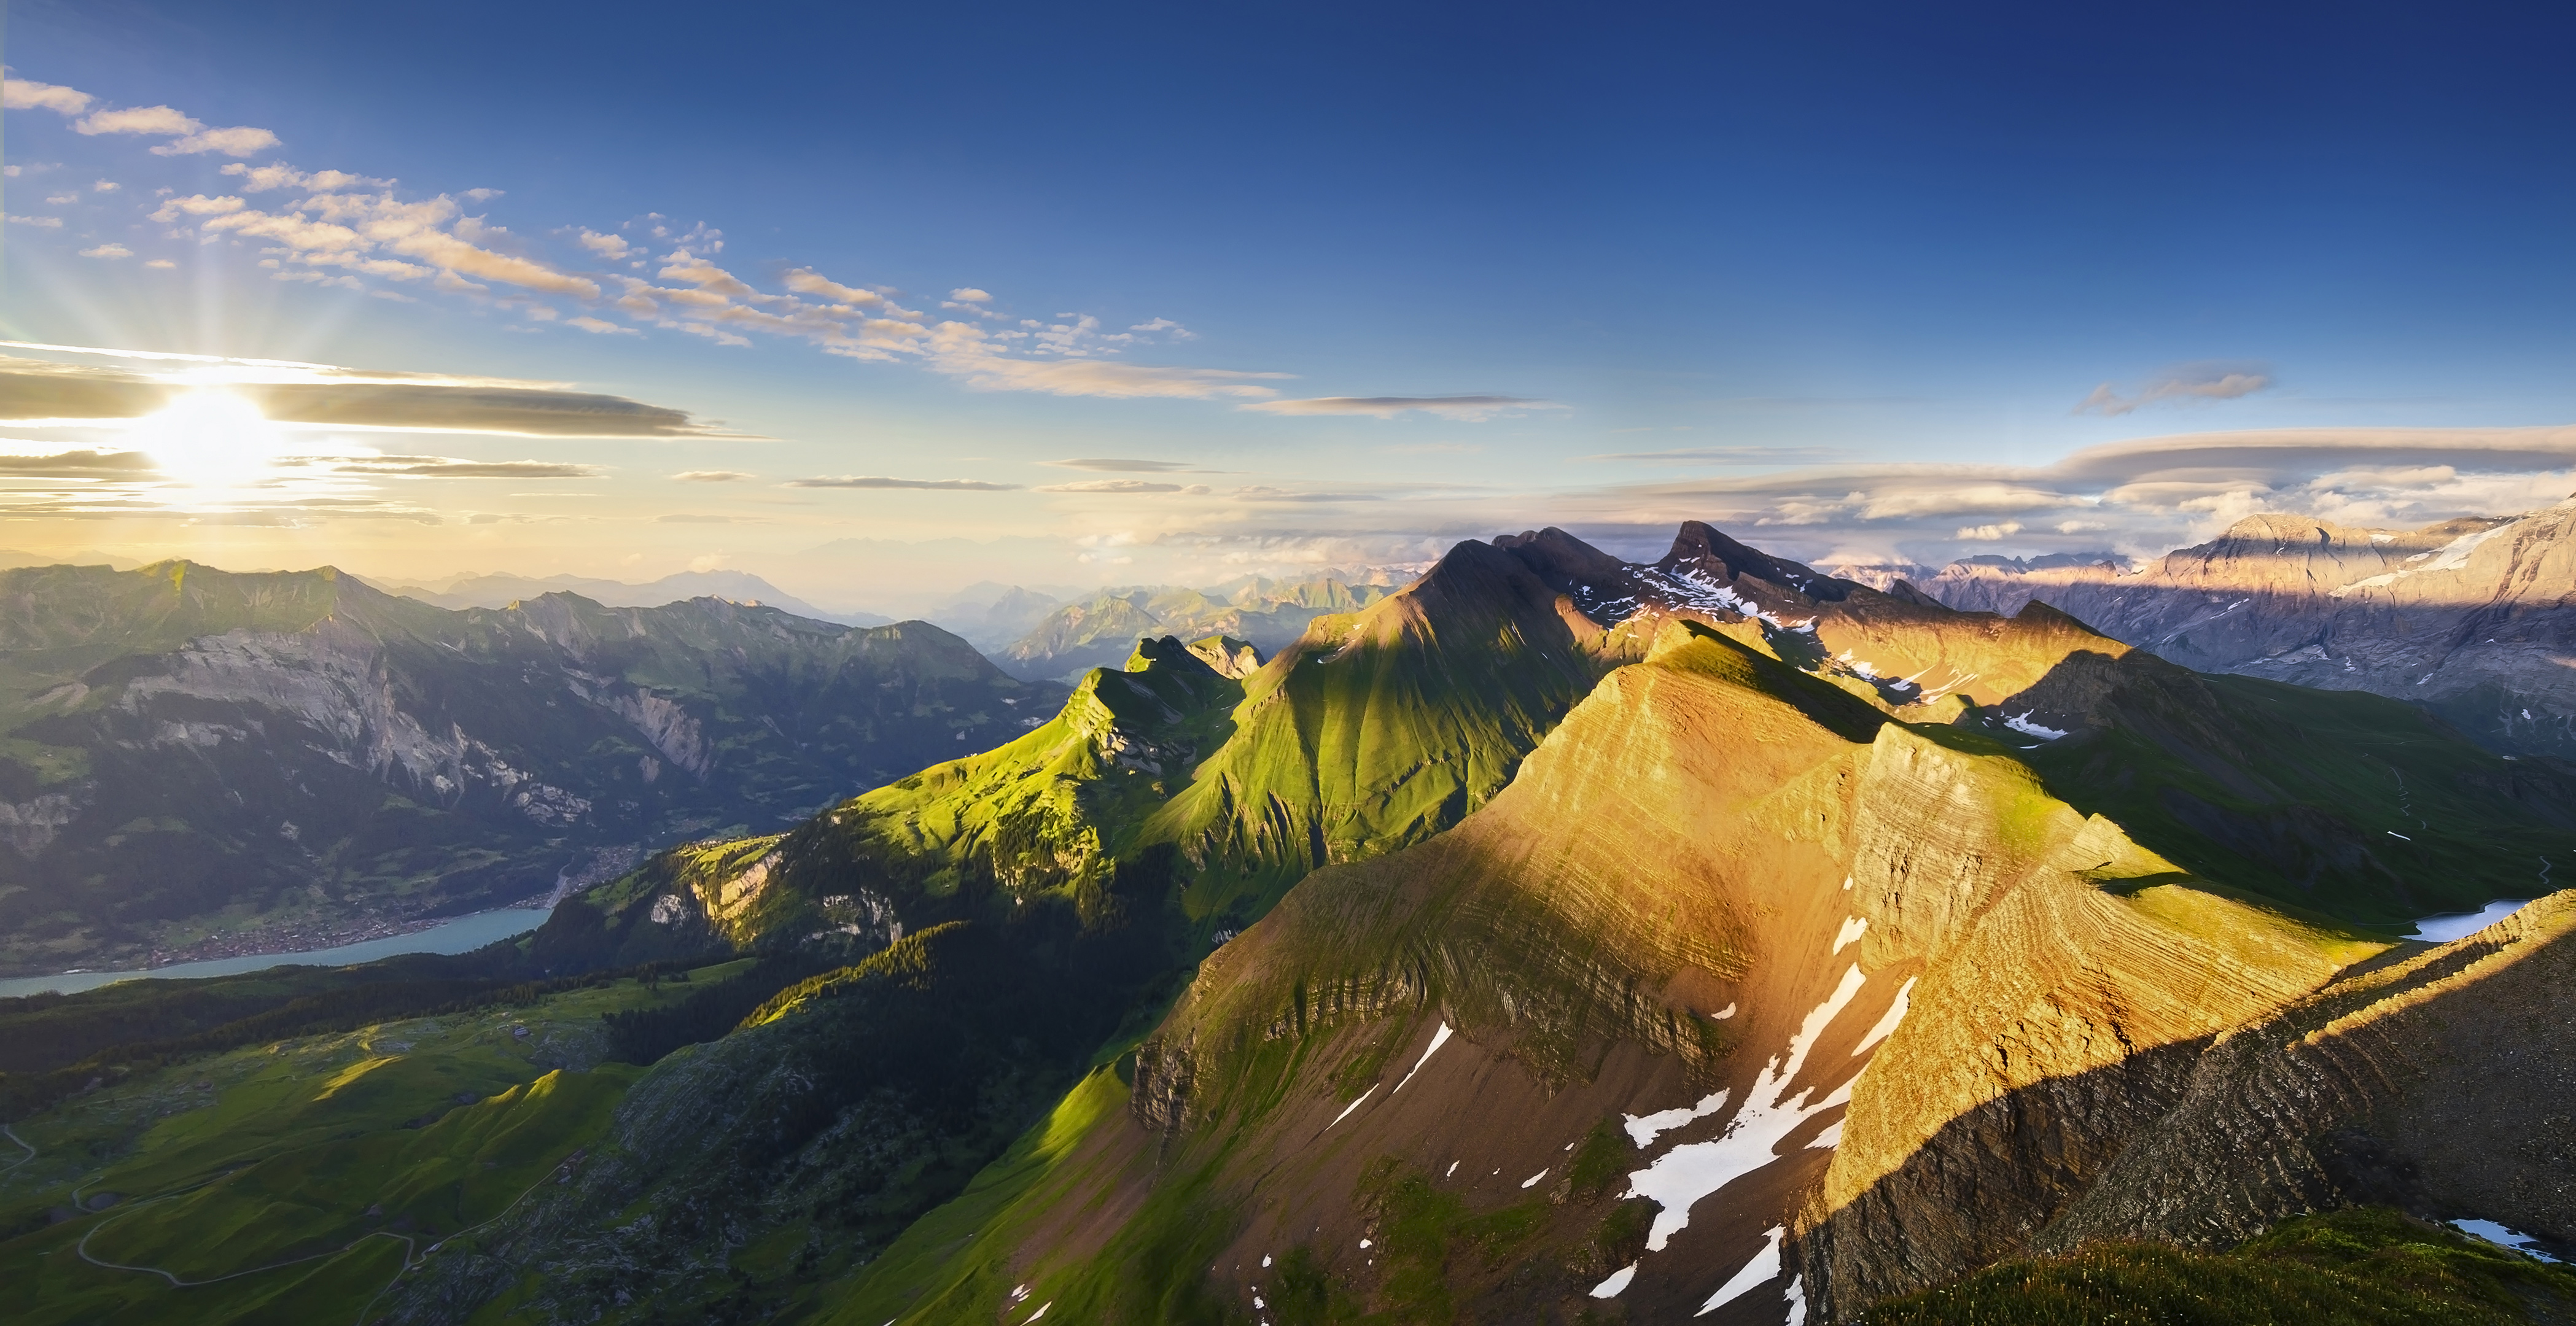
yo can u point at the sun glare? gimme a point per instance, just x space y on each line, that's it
210 440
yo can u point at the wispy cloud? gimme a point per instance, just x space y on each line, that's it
879 481
1121 486
1119 465
2187 384
27 94
713 476
2142 496
1387 407
329 396
1726 455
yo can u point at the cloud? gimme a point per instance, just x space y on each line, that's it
1468 408
108 251
238 141
874 481
105 186
1116 465
139 120
1165 325
612 247
351 229
448 467
1113 486
600 327
324 395
77 464
481 195
164 264
971 295
2184 385
1726 455
42 222
713 476
804 282
694 518
2142 496
27 94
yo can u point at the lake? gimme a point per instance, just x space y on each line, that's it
461 935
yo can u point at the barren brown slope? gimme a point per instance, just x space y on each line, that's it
1659 963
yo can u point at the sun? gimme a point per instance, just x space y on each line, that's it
210 440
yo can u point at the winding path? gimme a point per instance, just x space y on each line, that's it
14 1137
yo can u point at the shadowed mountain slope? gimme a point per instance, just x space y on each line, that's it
189 751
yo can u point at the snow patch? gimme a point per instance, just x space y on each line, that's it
1693 1170
1438 1039
1346 1113
1722 1014
2449 557
2021 723
1042 1309
1532 1181
1618 1282
1644 1128
1852 929
2503 1236
1762 1270
1887 1025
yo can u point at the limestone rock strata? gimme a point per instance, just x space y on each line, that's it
2065 990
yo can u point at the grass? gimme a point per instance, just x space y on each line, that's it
2367 1267
298 1176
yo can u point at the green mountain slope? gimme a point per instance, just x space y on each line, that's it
188 754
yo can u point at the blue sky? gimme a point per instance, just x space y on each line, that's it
1843 278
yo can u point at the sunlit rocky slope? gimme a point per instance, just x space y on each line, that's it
2474 619
190 751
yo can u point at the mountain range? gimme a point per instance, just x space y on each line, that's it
1557 938
2473 619
193 755
500 590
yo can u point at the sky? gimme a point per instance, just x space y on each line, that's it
877 303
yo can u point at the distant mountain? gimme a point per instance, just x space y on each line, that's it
1100 630
2473 619
990 616
502 590
190 752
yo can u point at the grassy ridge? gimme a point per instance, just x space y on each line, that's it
2344 802
2364 1267
297 1177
